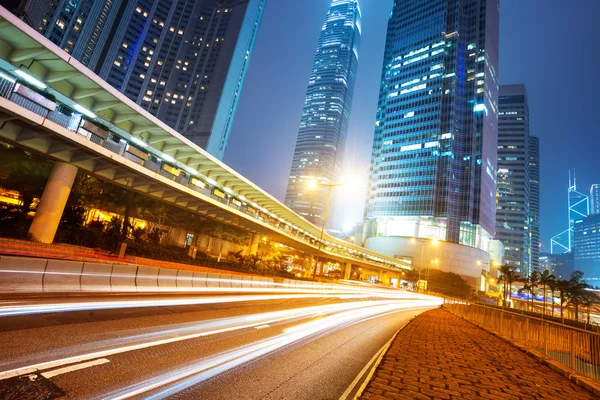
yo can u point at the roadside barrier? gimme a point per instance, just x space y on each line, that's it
36 275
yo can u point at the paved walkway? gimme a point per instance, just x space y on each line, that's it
441 356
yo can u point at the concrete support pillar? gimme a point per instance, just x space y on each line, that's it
53 201
254 241
380 276
347 270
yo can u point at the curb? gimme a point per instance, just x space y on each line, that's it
383 351
578 379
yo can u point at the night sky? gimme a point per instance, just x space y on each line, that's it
548 45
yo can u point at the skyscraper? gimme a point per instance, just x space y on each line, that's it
586 248
182 60
433 165
534 200
322 135
595 199
513 209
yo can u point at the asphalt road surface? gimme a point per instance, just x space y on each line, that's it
266 346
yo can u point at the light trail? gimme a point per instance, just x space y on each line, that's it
198 372
14 310
196 330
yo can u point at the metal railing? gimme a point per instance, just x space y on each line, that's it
575 348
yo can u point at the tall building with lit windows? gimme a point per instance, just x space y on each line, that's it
182 60
534 200
322 135
595 199
433 165
514 192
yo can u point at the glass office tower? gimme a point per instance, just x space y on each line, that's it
595 199
534 200
322 135
433 165
513 211
182 60
586 248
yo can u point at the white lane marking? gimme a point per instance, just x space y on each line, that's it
347 392
262 326
203 370
70 360
75 367
288 314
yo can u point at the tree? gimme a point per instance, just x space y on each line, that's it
508 275
448 283
552 286
562 286
589 300
412 277
530 283
25 173
545 279
576 291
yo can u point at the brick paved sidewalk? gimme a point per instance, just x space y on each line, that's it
441 356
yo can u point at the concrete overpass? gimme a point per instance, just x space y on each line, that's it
53 105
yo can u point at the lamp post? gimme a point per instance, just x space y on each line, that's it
434 242
314 185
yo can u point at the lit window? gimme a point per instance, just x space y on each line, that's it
172 29
118 64
138 9
125 45
60 24
142 76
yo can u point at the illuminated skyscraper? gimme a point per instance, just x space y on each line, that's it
595 199
433 166
534 199
514 192
182 60
324 124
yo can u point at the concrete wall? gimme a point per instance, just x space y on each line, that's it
35 275
466 261
177 237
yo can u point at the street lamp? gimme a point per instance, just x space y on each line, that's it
313 184
434 242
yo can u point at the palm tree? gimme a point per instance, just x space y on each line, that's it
508 274
552 286
544 279
562 286
589 300
576 291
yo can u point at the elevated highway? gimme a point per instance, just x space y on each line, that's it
52 105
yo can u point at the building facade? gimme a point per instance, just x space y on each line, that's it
513 214
321 138
595 199
433 165
534 200
586 249
184 61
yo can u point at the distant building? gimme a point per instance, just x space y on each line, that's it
595 199
586 248
435 145
182 60
534 200
560 265
578 207
513 216
322 135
